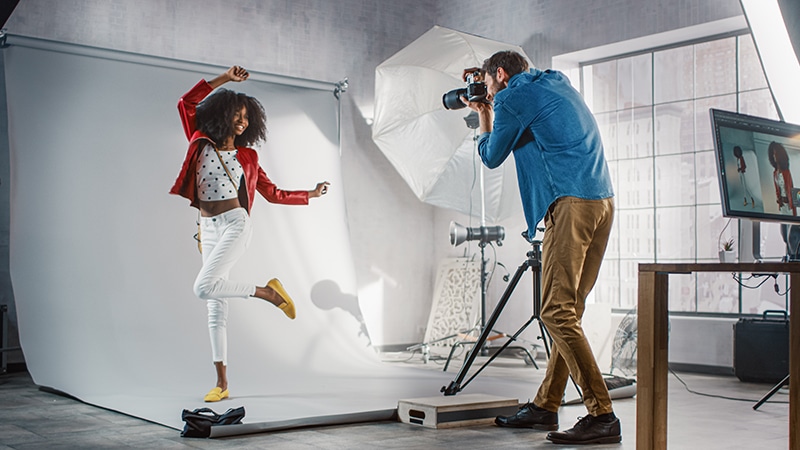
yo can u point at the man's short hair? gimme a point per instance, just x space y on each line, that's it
511 61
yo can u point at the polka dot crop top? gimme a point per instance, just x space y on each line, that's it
213 183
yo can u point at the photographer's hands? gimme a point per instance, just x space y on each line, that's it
478 75
484 110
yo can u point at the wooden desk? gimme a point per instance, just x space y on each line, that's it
651 389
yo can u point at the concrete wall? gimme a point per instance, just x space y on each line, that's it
397 239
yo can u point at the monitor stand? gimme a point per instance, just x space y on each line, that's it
749 241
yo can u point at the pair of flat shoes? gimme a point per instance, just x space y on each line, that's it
215 395
288 305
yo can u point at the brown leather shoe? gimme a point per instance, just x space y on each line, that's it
589 430
530 416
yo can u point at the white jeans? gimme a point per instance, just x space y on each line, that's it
224 239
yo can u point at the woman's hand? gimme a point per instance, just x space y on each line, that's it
235 73
320 190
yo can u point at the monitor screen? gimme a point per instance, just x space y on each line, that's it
757 161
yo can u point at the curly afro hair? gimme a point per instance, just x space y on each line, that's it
215 117
778 156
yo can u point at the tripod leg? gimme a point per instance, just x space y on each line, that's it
772 392
455 386
501 349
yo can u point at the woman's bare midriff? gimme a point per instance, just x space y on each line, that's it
210 209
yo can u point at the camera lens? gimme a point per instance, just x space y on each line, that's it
452 99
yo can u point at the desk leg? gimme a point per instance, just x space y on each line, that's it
651 371
794 362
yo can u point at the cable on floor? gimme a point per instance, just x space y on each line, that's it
686 386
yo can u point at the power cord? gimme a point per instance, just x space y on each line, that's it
719 239
741 281
724 397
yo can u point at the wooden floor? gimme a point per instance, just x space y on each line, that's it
33 419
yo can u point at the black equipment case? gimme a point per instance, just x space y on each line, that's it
761 347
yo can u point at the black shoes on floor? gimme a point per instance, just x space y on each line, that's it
603 429
530 416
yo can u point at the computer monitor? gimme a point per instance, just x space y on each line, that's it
758 161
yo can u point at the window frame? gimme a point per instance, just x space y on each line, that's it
573 65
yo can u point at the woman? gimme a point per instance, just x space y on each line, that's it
782 178
220 176
741 167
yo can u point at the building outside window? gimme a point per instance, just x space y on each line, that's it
652 108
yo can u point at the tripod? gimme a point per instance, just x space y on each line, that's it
772 392
532 262
485 236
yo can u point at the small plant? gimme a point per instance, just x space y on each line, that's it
728 245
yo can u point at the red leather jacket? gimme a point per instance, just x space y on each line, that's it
255 177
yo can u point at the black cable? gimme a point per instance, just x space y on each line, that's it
740 280
490 275
507 276
778 288
716 395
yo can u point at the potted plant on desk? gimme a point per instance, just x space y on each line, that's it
726 253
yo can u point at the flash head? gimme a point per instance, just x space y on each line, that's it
459 234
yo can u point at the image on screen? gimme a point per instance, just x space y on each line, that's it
758 160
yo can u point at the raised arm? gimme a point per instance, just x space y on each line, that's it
235 73
187 105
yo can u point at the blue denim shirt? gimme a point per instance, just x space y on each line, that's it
555 140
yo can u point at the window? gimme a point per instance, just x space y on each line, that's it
652 109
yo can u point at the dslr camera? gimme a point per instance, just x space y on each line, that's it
474 92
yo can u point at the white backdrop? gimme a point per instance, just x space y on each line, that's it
102 257
103 260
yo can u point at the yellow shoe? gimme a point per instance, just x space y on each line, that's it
216 395
288 305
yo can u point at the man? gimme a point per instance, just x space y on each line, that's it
563 177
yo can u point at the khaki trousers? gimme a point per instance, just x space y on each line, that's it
575 239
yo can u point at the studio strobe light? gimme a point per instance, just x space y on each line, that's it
459 234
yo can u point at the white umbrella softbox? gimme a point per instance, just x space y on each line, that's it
431 147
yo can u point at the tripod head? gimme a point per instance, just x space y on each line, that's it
535 254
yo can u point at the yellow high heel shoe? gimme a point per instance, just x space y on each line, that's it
288 305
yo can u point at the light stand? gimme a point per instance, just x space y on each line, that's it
484 235
458 235
533 262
